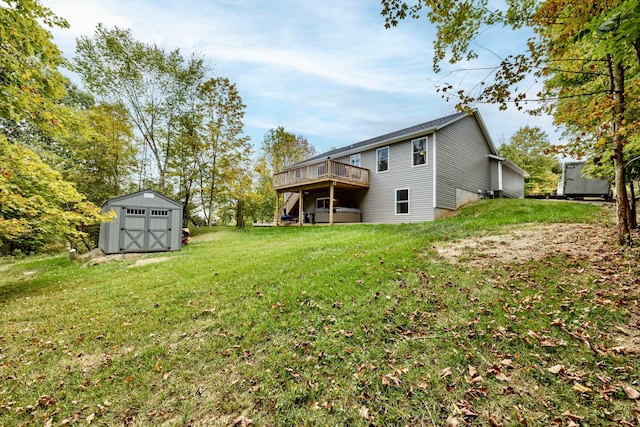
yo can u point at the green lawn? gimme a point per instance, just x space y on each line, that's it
345 325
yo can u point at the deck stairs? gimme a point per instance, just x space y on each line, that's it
291 203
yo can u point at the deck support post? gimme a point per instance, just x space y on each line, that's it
300 208
331 194
276 214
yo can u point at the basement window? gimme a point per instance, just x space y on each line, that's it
323 202
402 201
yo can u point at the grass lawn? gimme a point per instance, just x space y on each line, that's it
344 325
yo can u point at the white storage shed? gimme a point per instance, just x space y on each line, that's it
145 221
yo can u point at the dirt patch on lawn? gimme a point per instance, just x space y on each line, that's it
146 261
96 257
530 243
615 270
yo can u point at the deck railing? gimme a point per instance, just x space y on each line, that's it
321 171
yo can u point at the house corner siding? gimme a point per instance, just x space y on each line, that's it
512 184
463 167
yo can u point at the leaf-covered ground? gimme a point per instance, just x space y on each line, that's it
482 319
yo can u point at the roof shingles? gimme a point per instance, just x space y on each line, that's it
426 126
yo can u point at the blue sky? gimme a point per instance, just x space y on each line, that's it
326 70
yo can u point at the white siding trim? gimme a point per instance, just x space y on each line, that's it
434 171
500 175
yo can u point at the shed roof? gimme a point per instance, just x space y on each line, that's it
131 195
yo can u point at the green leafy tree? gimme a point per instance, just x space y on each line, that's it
102 153
528 149
263 205
602 88
185 161
279 150
29 77
605 30
38 209
150 83
223 156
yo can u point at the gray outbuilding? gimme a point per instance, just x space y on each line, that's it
145 221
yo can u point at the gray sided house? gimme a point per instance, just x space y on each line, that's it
145 221
411 175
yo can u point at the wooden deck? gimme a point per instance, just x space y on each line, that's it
321 174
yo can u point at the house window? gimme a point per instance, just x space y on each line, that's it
383 159
355 159
322 203
419 147
402 202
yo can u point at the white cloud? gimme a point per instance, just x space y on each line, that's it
326 70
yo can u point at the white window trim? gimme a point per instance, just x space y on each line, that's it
355 156
388 159
395 200
426 153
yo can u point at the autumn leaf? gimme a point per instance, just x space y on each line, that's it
293 373
581 389
534 334
607 391
502 377
631 392
242 421
492 420
555 369
572 416
89 419
446 372
507 362
389 378
452 422
363 412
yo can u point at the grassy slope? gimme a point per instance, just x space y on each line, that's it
347 325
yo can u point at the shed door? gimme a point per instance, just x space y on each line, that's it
145 229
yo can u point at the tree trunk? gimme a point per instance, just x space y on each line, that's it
240 214
622 200
634 215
